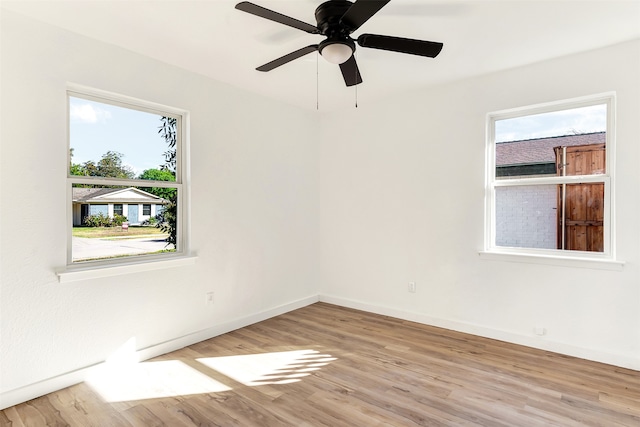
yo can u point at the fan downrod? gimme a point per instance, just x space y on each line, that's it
328 16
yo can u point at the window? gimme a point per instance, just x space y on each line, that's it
125 162
549 179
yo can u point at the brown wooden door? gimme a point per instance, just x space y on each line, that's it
582 204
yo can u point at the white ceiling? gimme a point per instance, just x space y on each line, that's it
212 38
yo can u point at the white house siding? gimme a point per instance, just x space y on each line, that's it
526 216
108 209
132 201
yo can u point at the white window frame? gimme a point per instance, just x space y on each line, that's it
606 259
115 266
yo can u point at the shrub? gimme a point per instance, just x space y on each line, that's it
97 220
118 220
151 221
102 220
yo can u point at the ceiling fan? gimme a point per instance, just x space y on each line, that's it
337 19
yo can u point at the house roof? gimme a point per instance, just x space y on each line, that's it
82 194
540 150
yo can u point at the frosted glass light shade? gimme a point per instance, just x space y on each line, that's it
337 53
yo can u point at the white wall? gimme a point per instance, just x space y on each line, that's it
253 210
402 199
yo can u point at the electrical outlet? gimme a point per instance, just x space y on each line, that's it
412 287
540 330
209 298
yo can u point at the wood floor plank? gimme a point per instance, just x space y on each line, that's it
200 412
334 366
10 418
168 412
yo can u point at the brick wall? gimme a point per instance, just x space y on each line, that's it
526 216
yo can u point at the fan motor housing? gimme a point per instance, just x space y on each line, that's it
328 16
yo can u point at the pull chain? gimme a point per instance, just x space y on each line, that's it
356 78
317 82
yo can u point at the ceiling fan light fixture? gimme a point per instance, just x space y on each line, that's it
336 53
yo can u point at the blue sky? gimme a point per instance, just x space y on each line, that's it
557 123
96 128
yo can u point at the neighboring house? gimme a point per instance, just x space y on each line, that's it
532 216
537 156
133 203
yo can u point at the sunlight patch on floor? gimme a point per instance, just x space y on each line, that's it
269 368
124 378
150 380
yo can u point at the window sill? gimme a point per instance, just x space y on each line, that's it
86 272
557 260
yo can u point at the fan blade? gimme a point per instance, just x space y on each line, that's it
262 12
399 44
287 58
360 13
350 72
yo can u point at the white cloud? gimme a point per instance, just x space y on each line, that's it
556 123
87 113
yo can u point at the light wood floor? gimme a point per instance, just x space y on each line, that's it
329 366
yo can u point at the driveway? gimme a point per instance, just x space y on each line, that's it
84 248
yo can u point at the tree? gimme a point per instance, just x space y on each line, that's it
168 131
159 175
168 219
109 166
75 168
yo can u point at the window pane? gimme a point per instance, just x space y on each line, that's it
526 216
566 142
117 221
531 216
111 141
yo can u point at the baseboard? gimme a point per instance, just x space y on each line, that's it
32 391
528 341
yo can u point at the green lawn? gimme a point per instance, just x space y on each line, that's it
116 232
